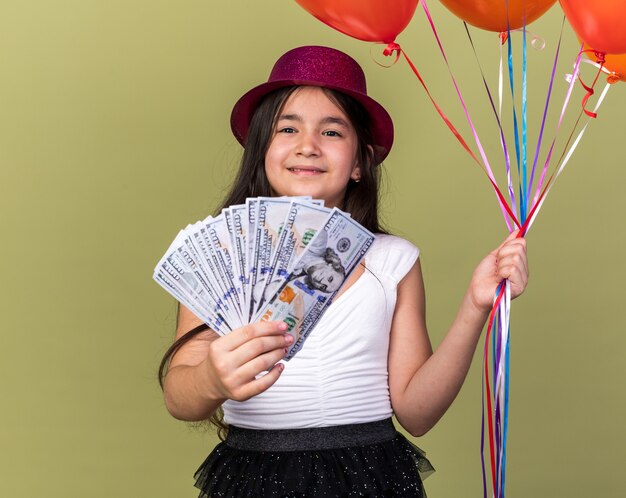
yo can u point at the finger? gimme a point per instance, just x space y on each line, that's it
514 242
518 285
512 256
514 235
514 272
259 365
514 267
251 331
258 346
515 248
261 384
514 253
233 377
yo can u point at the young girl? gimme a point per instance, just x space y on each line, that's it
320 425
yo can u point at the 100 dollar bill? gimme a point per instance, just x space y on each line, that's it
316 277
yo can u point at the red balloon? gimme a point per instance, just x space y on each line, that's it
368 20
498 15
600 23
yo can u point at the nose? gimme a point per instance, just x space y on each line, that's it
307 145
319 283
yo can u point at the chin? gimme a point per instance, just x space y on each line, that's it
302 190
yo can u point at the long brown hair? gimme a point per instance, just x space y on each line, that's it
361 199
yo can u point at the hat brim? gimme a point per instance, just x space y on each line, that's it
381 123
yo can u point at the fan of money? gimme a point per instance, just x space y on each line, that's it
272 258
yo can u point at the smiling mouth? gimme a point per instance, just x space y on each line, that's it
305 171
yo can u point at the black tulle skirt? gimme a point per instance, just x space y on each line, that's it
370 459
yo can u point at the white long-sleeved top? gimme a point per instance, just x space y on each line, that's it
340 375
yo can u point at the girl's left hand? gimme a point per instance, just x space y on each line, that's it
509 261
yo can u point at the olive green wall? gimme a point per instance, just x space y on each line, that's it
114 134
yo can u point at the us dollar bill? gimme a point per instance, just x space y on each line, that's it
177 272
213 320
271 213
272 258
304 218
198 239
219 240
236 221
271 221
252 205
317 275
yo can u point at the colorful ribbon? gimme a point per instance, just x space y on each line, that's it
495 397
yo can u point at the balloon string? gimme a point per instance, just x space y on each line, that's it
507 158
391 48
601 56
504 288
502 387
456 87
537 42
388 51
545 113
514 115
507 378
490 431
500 83
612 76
567 156
498 335
558 127
524 197
482 433
394 47
539 198
496 371
485 165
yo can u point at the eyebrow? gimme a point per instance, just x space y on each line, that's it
327 120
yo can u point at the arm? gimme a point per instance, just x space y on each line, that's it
210 369
423 384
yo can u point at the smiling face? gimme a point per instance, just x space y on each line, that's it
313 148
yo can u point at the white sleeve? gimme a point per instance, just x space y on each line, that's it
392 256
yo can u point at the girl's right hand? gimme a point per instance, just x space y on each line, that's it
234 361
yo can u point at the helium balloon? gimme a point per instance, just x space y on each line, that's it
498 15
368 20
600 23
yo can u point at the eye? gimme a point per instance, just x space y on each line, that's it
286 129
330 279
331 133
